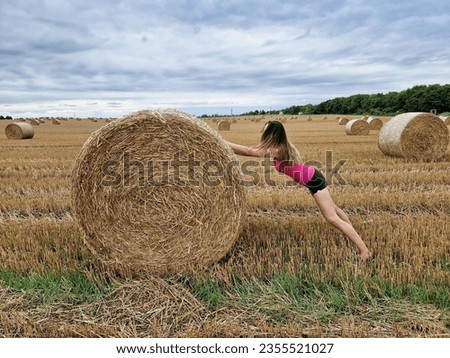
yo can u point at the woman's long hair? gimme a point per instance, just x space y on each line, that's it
273 136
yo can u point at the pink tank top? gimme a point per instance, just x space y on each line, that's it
301 173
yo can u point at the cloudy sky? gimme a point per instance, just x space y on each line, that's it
112 57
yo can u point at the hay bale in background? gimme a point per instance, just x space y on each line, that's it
445 119
419 136
309 118
375 123
137 214
19 130
55 121
223 125
343 121
357 127
34 122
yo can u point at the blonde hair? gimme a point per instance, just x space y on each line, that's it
274 136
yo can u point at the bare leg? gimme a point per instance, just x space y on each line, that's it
336 217
342 214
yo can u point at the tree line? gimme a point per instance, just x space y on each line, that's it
421 98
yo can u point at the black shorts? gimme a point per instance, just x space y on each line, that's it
317 182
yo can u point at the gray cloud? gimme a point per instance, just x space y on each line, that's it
206 55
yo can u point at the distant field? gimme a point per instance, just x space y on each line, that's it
290 274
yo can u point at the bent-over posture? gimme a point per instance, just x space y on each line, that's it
286 159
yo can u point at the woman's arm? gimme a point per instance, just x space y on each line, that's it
247 151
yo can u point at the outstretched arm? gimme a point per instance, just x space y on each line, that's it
247 151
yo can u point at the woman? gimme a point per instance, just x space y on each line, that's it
286 159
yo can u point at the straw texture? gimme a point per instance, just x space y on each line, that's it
155 217
419 136
445 119
357 127
19 130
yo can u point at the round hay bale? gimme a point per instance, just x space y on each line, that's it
55 121
309 118
375 123
34 122
445 119
418 136
357 127
343 121
158 191
19 130
223 125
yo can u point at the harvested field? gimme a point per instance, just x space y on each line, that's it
289 274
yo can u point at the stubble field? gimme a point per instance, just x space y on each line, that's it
290 274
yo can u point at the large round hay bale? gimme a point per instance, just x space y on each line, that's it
357 127
445 119
419 136
19 130
343 121
158 191
223 125
375 123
